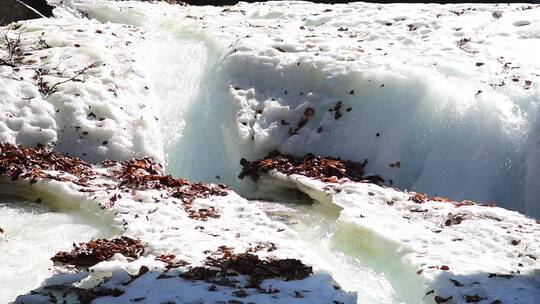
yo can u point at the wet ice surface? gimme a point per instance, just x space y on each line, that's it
33 233
489 252
316 226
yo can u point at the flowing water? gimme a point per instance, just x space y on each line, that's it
32 234
316 224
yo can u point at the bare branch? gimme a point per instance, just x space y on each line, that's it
48 91
13 48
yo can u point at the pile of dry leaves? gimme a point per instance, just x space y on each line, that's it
19 162
90 253
327 169
23 163
224 264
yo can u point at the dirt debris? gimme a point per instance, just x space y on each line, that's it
473 298
454 219
84 296
171 261
421 198
337 110
19 162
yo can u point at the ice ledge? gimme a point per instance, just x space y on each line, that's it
455 252
180 222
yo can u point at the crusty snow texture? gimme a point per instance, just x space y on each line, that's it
103 113
447 251
450 91
163 223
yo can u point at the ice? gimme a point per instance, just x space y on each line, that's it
316 226
32 234
425 254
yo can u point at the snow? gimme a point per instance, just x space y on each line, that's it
198 88
460 115
433 248
106 115
164 224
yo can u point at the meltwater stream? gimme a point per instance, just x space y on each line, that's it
31 234
317 227
193 148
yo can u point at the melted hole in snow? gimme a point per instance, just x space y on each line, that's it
32 234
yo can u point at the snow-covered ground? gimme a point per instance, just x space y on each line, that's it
75 85
430 248
449 92
200 224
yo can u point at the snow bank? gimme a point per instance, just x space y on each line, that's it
75 85
438 251
449 91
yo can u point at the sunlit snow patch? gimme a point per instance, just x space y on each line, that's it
93 101
190 232
32 234
456 105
